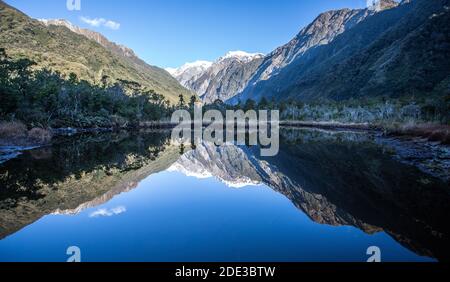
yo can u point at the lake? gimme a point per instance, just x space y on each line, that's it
327 196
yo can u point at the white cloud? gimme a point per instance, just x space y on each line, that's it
93 22
108 213
97 22
112 25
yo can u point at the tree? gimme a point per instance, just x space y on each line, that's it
250 104
4 68
21 74
104 81
263 104
282 107
3 55
47 98
239 104
8 98
130 86
181 103
192 101
73 78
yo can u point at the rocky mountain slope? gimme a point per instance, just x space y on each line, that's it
225 81
400 49
392 49
118 49
229 164
320 32
62 47
189 73
219 80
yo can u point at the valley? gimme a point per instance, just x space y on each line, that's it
128 161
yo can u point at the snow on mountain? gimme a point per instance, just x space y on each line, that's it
241 56
229 164
189 72
223 79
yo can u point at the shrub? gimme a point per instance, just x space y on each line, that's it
12 130
40 135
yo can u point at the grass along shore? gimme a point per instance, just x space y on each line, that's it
18 134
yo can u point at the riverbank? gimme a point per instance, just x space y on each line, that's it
429 157
428 131
431 132
16 138
412 147
329 125
16 134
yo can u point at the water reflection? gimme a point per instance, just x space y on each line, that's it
335 178
78 173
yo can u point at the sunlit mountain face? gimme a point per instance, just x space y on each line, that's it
326 197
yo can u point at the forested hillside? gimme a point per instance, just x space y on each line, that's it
59 49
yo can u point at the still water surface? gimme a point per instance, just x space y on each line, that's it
327 196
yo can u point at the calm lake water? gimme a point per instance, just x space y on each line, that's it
327 196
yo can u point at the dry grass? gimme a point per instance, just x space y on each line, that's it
13 130
16 134
433 132
40 135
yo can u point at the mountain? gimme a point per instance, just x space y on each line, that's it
63 47
225 81
321 31
396 50
229 164
222 79
189 73
120 50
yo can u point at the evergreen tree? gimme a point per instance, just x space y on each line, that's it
192 101
250 104
181 103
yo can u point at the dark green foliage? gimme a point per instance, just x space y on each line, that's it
59 49
250 105
399 53
45 98
263 104
181 102
192 101
374 110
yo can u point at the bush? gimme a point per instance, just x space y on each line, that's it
12 130
40 135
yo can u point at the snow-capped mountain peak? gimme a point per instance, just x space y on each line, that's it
227 164
191 68
241 56
222 79
189 72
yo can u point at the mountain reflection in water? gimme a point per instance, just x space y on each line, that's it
335 178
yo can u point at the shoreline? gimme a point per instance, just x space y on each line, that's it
416 150
330 125
430 132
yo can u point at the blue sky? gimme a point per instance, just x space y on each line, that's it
168 33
